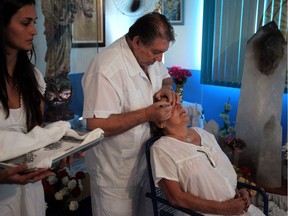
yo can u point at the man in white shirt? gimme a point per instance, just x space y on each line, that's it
118 98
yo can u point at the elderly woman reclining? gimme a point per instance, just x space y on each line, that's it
192 170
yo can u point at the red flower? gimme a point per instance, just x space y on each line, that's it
48 188
179 75
245 171
76 192
62 173
58 183
80 175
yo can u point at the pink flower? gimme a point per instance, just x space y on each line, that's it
229 139
179 75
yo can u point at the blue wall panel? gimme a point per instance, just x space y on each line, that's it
212 98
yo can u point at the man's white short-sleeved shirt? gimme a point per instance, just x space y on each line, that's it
115 84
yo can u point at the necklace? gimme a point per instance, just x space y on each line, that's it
188 138
182 138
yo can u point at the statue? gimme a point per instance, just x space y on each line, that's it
260 105
59 16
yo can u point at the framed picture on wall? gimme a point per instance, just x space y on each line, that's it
88 28
174 11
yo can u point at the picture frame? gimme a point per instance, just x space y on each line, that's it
88 28
174 11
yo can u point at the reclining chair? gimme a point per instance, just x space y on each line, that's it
162 207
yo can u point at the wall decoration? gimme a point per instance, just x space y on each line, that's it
58 21
174 11
89 25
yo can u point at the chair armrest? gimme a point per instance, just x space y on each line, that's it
165 202
259 190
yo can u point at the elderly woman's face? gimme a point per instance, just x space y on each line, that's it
179 114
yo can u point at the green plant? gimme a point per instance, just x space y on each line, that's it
227 132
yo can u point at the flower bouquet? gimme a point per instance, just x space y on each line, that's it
228 141
244 176
179 76
228 133
60 189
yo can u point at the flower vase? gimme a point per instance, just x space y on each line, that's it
179 90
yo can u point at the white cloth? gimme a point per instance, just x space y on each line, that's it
114 84
277 205
40 137
16 143
212 127
187 164
21 199
194 111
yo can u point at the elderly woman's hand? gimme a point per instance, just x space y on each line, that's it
245 194
17 175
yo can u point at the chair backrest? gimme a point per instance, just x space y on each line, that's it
161 206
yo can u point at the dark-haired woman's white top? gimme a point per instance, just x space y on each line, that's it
15 199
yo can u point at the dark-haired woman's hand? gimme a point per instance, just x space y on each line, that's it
18 175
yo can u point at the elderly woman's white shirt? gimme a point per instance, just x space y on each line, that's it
182 162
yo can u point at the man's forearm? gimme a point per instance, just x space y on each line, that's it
118 123
168 82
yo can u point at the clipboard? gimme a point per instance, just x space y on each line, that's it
56 151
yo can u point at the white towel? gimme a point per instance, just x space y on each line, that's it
14 143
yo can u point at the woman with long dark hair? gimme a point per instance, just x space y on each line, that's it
21 104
